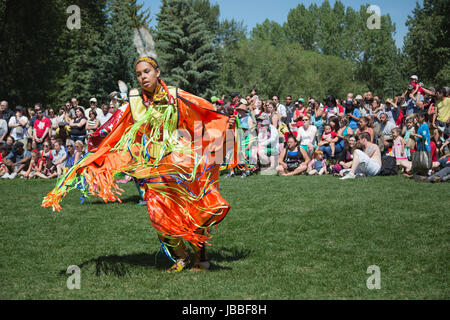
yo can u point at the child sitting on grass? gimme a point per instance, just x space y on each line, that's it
318 165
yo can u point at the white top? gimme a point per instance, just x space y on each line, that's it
272 141
282 110
306 137
20 131
103 118
97 110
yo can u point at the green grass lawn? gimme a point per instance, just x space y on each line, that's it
284 238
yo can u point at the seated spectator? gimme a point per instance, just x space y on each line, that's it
353 114
79 150
306 135
49 169
70 147
104 115
53 120
317 115
93 123
367 162
328 142
332 108
34 167
4 151
17 160
344 129
78 126
41 129
18 125
398 150
92 107
386 127
345 159
3 129
268 146
317 165
5 112
10 141
299 113
293 159
59 156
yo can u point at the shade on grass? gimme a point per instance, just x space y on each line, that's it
284 238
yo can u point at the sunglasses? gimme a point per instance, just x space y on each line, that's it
306 119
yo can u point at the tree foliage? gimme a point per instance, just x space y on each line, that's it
427 44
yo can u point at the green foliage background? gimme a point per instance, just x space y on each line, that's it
319 50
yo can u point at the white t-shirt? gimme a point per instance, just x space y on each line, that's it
282 110
20 131
54 122
103 118
306 137
3 127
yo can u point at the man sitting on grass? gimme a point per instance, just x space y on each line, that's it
367 162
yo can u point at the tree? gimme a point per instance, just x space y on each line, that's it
28 66
270 31
79 54
185 47
427 43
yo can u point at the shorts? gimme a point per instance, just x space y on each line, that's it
367 165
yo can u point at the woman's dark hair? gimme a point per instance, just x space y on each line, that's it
330 101
94 112
81 109
335 120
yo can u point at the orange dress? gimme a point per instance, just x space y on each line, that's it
174 146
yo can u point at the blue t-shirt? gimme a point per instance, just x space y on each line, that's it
354 123
424 131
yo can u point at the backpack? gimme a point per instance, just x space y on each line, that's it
388 166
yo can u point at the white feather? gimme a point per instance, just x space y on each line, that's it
143 41
122 86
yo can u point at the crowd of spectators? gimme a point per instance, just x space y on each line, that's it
352 136
347 137
39 142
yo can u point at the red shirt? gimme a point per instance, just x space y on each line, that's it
41 125
420 88
332 134
433 151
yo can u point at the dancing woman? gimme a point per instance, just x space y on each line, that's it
172 142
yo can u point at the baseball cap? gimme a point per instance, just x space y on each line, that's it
359 97
19 108
220 101
301 100
243 101
414 77
214 99
93 100
235 94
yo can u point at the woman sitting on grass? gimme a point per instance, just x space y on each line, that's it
293 159
346 159
48 170
34 166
